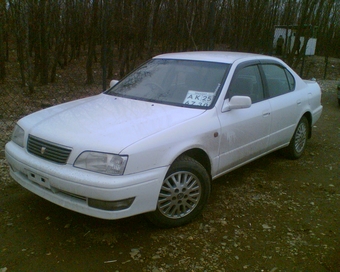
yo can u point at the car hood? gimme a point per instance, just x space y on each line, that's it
103 122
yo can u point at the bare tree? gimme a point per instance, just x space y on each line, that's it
309 14
92 35
44 48
20 22
2 45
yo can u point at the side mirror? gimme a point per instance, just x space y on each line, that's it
236 102
113 82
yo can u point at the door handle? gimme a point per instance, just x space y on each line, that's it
266 113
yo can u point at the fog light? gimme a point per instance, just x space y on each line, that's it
111 205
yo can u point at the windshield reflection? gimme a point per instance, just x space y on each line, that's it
175 82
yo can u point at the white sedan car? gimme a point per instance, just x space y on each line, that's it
154 141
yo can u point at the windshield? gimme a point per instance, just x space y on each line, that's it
176 82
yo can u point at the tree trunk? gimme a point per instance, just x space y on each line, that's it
44 60
2 46
92 43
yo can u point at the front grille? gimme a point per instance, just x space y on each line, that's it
47 150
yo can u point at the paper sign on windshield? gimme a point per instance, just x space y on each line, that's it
196 98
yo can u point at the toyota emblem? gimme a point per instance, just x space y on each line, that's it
42 150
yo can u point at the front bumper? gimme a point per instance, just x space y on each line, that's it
76 189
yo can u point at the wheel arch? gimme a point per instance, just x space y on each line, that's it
199 155
308 115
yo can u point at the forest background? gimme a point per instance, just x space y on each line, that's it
47 35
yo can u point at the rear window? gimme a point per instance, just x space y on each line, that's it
278 79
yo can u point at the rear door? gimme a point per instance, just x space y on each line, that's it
284 102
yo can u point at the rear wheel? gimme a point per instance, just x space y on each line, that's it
298 142
184 193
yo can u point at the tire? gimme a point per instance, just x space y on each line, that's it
298 142
184 193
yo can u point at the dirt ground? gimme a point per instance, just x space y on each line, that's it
271 215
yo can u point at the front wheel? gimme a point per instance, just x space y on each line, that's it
298 142
184 193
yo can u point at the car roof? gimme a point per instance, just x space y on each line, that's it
214 56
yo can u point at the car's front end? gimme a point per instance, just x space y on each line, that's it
79 155
88 192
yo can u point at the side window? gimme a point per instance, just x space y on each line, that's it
247 82
279 80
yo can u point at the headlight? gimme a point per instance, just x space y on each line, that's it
18 136
105 163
